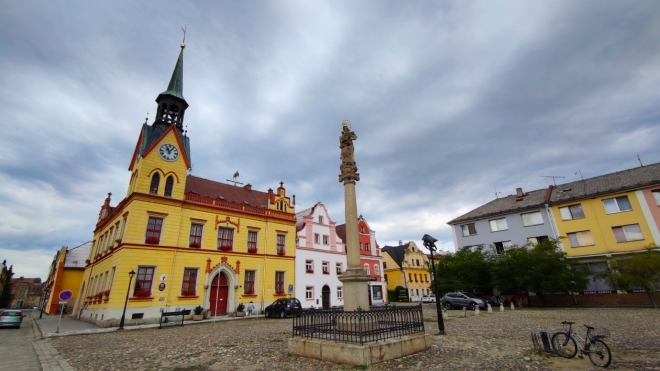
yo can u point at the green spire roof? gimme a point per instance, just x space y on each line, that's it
175 88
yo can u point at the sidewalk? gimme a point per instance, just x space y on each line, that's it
69 326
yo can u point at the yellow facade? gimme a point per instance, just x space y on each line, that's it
124 240
600 225
408 267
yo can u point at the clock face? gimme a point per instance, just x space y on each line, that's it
168 152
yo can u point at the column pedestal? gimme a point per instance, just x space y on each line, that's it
356 289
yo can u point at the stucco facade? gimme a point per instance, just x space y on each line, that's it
406 266
320 259
66 273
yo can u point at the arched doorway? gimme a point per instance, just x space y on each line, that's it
325 297
219 293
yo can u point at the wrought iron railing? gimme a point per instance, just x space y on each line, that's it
360 326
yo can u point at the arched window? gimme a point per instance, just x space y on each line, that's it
169 184
155 182
281 206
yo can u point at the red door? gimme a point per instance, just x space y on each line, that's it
218 297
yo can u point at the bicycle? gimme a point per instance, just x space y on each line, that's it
599 353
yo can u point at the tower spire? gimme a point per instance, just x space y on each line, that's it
171 103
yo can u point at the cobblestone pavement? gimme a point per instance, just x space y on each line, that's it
497 341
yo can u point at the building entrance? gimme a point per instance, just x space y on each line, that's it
219 293
325 297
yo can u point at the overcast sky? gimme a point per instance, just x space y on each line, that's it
451 101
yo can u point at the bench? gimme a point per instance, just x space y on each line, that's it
182 313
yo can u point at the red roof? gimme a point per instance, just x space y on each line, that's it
212 189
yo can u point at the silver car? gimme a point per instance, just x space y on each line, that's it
11 318
462 299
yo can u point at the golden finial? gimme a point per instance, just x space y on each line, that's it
183 43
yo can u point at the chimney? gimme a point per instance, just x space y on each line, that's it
248 187
519 192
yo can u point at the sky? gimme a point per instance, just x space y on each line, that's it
452 101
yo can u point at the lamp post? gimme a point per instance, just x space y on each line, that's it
128 290
429 243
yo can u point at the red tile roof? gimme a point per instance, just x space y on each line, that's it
230 193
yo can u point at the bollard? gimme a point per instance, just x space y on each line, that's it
513 307
476 311
463 313
490 309
445 315
501 307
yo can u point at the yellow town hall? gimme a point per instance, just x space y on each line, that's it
187 241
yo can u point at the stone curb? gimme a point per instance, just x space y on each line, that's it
49 357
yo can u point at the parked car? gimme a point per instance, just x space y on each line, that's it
428 298
283 307
11 318
461 299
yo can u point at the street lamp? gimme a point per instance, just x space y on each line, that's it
128 290
429 243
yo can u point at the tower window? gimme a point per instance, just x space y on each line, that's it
155 182
169 184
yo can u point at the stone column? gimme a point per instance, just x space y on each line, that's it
356 294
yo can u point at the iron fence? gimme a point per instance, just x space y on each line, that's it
360 326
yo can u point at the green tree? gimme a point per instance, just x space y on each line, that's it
5 297
465 270
541 268
636 271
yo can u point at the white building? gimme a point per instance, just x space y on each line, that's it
320 259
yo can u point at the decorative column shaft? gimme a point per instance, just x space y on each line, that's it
356 289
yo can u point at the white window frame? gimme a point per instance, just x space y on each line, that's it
497 223
534 218
325 267
376 269
615 202
629 232
366 269
465 229
320 219
656 196
340 292
326 240
309 293
577 235
339 268
568 214
316 238
309 266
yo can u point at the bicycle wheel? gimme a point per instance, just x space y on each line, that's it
564 345
599 353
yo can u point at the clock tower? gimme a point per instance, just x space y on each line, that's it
161 158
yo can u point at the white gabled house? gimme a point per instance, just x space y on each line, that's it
320 259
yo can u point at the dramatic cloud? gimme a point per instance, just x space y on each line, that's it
451 102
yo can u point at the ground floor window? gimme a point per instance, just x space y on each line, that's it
309 293
377 292
340 292
248 283
279 283
143 282
189 282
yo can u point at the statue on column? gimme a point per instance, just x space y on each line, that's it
348 167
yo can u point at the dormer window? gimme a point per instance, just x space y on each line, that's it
320 219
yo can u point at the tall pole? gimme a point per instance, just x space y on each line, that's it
429 243
128 290
354 278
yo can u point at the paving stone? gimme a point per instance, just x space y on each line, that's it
499 341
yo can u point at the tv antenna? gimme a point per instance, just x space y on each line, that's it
496 193
235 177
553 178
579 172
640 161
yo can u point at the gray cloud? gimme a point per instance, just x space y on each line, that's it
450 101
